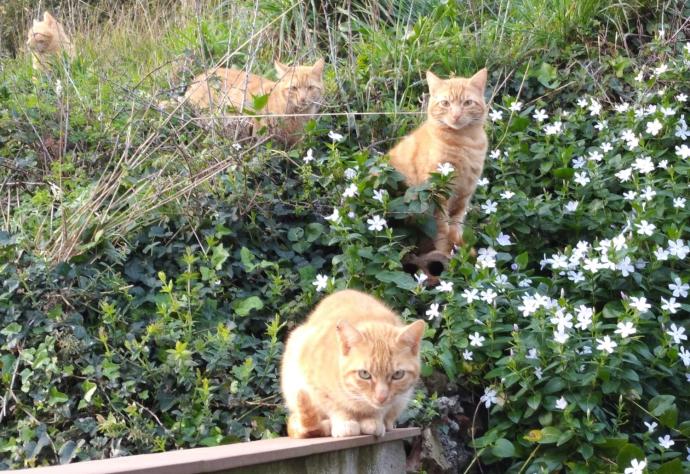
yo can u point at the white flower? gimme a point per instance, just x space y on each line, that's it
668 111
495 154
379 194
595 156
679 202
682 97
625 267
640 303
684 356
532 354
445 169
445 286
679 289
562 321
310 156
670 305
507 194
335 217
625 329
594 108
660 70
624 175
645 228
582 102
561 337
661 254
489 206
351 191
606 345
489 398
601 125
579 163
467 354
421 278
483 182
629 195
651 426
540 115
663 164
470 294
654 127
237 146
554 129
503 239
640 76
515 106
683 151
488 296
321 282
622 107
539 373
606 147
636 467
477 340
584 317
581 178
335 136
677 248
350 173
561 403
682 130
644 165
496 115
486 258
576 276
648 193
377 223
666 441
433 312
677 333
571 206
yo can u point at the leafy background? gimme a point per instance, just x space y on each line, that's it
151 269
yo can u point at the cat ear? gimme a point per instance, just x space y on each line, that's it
479 79
317 68
411 335
433 80
281 68
48 18
348 336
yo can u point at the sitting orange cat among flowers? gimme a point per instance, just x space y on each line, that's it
350 369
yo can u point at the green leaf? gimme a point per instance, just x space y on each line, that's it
56 396
259 102
295 234
672 467
628 453
67 452
247 305
400 279
89 390
219 256
549 435
503 448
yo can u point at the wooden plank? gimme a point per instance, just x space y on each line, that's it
219 458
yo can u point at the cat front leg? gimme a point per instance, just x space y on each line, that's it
373 426
395 410
342 426
442 242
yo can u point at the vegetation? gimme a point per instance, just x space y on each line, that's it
150 267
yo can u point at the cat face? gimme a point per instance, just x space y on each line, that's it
42 34
379 361
301 87
458 102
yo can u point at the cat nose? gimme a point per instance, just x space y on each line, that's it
381 393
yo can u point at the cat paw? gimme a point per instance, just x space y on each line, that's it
390 425
343 428
372 427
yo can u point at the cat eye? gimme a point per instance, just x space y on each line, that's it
468 103
444 103
364 375
292 89
398 374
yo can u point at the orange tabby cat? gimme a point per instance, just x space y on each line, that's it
298 90
45 39
453 133
350 369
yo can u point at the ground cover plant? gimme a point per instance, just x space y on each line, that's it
151 267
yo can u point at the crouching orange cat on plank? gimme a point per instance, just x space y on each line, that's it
293 98
350 369
453 133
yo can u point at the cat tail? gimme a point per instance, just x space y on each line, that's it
306 421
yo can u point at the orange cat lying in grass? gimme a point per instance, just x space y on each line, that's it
350 369
453 133
46 39
298 90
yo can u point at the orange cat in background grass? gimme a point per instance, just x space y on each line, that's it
47 38
298 90
350 369
453 133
